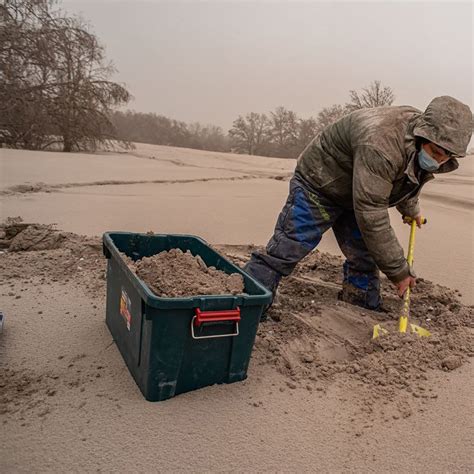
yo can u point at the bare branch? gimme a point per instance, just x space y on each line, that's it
54 79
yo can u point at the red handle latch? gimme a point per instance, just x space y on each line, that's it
216 316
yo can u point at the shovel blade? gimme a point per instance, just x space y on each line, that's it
378 331
422 332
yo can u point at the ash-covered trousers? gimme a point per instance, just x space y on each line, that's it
303 220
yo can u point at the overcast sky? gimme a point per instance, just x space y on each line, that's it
211 61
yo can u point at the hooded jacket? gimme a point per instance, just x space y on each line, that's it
366 161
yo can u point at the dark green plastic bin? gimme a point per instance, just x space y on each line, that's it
174 345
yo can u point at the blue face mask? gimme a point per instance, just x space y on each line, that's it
426 162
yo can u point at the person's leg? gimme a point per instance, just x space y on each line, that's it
300 225
361 285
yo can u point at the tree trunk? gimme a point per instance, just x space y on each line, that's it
67 144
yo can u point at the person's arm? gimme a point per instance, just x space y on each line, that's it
373 176
410 207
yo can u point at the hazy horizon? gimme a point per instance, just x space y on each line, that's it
211 62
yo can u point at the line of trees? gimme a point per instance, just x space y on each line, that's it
280 133
283 134
54 80
161 130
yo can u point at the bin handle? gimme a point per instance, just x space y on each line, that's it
215 317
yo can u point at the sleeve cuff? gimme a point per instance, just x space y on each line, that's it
402 274
410 211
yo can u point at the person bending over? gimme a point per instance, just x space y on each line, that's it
347 178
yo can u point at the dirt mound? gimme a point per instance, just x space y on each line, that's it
56 257
18 236
36 237
314 339
176 273
310 337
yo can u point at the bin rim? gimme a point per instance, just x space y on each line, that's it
195 301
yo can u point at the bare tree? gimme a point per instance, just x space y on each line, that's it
54 81
375 95
83 95
208 137
329 115
283 131
307 130
250 133
21 106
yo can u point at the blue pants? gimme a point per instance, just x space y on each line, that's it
303 220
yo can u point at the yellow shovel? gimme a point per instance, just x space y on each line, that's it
403 321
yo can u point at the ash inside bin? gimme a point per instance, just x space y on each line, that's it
178 274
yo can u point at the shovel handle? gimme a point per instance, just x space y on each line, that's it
411 243
409 220
403 321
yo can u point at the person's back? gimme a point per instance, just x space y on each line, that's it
327 162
